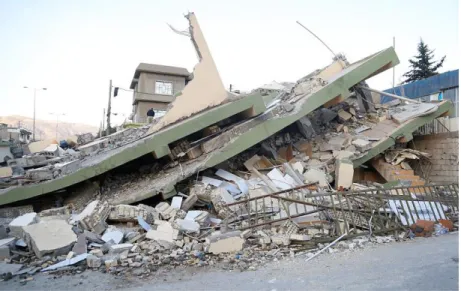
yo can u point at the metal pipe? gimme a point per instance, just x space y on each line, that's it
389 94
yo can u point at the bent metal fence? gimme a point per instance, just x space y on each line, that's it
351 212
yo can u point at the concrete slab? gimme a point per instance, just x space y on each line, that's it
16 226
54 237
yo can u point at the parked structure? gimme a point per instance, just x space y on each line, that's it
155 86
443 86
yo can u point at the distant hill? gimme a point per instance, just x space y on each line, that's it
45 129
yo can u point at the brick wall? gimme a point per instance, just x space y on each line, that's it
444 149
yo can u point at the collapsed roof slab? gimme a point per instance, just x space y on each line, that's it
156 143
393 131
255 130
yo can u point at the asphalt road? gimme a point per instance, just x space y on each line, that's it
420 264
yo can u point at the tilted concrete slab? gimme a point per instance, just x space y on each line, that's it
205 90
253 131
156 143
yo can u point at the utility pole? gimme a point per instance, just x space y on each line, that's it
35 94
393 68
103 124
57 122
108 108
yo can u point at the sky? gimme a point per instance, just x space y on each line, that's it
73 48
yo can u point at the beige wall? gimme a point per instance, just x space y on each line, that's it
444 148
141 108
146 84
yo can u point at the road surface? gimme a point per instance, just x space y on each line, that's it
420 264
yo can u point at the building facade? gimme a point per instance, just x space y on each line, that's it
155 86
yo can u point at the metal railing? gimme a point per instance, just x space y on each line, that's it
375 210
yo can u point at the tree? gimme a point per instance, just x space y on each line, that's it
422 65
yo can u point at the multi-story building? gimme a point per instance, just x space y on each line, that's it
155 86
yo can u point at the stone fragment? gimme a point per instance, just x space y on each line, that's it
281 239
299 237
120 248
55 211
93 261
362 145
92 237
97 252
125 213
225 243
17 225
344 174
111 263
80 247
188 225
115 235
316 175
51 237
305 127
344 115
338 142
94 216
165 210
164 232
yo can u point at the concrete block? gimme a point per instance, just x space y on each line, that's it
115 235
338 142
188 225
316 175
344 174
16 226
225 243
81 246
176 202
165 210
125 213
362 145
189 202
54 237
13 212
6 172
344 115
120 248
164 232
93 217
93 261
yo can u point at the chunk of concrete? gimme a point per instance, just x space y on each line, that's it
93 217
120 248
225 243
115 235
16 226
344 115
338 142
6 172
93 261
7 241
362 145
164 232
81 246
165 210
305 127
54 237
344 174
188 225
3 233
189 202
126 213
316 175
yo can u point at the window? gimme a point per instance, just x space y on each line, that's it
163 88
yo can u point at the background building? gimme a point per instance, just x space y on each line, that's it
155 87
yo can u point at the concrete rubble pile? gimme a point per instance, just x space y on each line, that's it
293 180
48 160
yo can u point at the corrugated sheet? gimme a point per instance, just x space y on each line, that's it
425 87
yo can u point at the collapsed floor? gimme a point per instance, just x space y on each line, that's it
238 180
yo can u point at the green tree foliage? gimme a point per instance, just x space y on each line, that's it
423 66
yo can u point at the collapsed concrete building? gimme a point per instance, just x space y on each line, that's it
285 158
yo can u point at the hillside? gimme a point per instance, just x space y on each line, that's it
45 129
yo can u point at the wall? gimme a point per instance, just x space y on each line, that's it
5 152
146 84
141 108
444 149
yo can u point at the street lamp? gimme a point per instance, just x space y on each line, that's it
35 92
57 122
